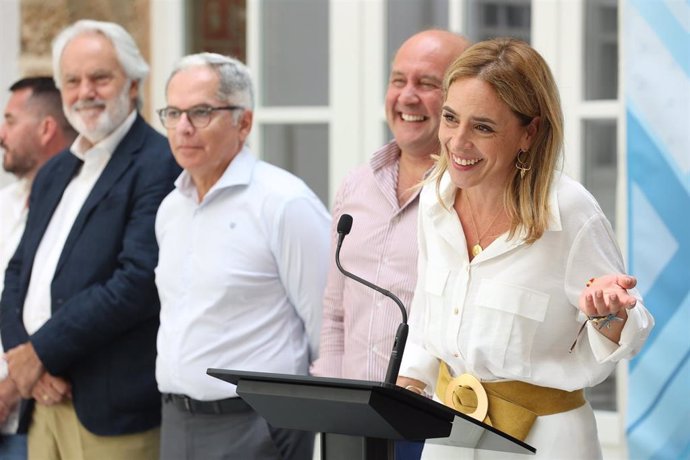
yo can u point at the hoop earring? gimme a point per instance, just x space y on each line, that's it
522 164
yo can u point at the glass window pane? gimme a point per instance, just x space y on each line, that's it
407 17
498 18
600 163
218 26
489 14
517 16
294 58
302 150
601 49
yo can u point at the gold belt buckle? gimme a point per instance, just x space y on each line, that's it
471 382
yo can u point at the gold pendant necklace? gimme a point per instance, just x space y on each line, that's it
477 247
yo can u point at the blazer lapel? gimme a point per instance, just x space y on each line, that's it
51 195
119 163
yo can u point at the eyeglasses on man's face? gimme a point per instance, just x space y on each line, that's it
199 116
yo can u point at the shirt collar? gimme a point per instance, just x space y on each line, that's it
105 146
385 156
24 186
447 192
238 172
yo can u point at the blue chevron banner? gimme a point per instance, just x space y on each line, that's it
657 85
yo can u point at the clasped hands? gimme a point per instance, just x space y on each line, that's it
32 380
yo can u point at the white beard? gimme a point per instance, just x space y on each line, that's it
116 110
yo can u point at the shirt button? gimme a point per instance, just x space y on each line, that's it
457 355
455 312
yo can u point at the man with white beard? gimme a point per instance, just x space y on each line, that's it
80 308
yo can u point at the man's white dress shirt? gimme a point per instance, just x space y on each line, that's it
37 306
240 277
13 213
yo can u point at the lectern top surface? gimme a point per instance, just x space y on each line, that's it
233 376
302 390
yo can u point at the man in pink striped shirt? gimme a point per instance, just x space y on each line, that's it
359 324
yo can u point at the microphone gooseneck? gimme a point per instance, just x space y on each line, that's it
344 227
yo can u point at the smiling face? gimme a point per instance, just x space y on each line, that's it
481 136
204 152
415 94
97 96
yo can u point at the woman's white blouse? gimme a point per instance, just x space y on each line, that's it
511 313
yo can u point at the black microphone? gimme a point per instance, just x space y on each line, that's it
344 227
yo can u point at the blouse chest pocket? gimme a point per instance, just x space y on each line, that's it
507 319
437 305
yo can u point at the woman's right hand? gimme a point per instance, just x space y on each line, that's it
413 385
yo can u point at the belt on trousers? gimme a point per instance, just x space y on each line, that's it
510 406
194 406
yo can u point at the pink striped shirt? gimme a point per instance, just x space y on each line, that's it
359 324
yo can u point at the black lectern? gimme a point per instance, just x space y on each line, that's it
370 413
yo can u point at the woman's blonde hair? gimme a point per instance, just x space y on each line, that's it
523 81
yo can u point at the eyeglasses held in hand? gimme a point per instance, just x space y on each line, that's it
199 116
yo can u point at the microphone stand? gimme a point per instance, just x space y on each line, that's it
344 226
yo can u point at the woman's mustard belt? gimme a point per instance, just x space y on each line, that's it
510 406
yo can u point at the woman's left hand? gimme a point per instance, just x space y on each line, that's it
607 295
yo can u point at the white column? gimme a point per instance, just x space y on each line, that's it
168 36
9 56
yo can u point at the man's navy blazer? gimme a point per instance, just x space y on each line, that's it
101 336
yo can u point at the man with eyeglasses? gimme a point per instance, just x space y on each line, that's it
242 266
79 307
